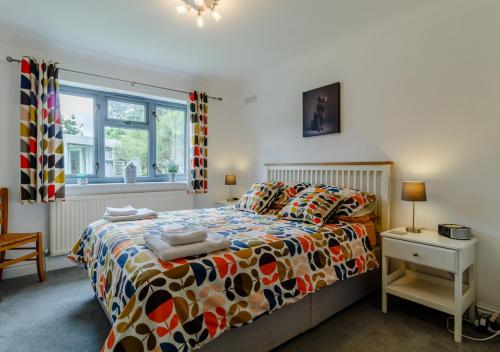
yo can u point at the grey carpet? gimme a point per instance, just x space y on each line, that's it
63 315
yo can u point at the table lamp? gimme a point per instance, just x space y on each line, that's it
230 180
413 191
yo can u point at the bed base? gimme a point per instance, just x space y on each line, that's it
270 331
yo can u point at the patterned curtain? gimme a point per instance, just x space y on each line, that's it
199 145
42 148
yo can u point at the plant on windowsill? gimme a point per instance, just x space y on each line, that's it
172 169
82 179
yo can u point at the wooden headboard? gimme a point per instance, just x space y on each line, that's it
370 176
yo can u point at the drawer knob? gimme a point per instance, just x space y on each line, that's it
415 254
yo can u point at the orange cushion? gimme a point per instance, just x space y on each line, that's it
368 221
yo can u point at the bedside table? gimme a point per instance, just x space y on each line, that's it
225 203
430 249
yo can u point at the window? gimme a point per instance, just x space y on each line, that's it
126 111
78 114
126 145
170 132
104 132
74 161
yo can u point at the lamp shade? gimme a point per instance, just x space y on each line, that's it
414 191
230 180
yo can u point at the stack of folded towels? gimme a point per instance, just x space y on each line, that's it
185 242
128 213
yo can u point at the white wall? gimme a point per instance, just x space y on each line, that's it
26 218
421 90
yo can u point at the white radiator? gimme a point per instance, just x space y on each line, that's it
68 219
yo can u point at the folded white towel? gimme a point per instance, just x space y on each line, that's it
166 252
142 214
125 211
184 236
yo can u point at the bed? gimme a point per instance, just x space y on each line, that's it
299 272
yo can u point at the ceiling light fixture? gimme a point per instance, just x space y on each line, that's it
199 7
199 21
181 9
216 15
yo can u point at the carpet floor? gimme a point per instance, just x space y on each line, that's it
63 315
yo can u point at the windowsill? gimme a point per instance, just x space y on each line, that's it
114 188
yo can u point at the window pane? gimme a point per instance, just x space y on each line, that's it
120 110
122 146
78 128
170 140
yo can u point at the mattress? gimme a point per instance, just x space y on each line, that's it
184 304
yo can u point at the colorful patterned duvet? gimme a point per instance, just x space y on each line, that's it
184 304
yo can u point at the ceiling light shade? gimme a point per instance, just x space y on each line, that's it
199 22
216 15
181 9
199 7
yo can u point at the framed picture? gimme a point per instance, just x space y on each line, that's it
321 111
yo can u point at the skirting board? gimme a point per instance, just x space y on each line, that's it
484 308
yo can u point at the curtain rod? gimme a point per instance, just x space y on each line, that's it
11 59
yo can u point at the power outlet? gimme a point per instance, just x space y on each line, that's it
494 325
487 323
482 323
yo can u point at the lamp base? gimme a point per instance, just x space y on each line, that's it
413 229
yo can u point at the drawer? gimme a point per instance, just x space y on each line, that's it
434 257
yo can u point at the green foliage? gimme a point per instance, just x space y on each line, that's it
132 144
172 167
71 127
114 133
169 138
120 110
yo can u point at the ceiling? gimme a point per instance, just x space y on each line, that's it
251 35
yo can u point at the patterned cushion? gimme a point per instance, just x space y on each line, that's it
287 192
259 196
354 200
313 205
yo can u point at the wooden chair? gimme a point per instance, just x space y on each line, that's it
14 241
